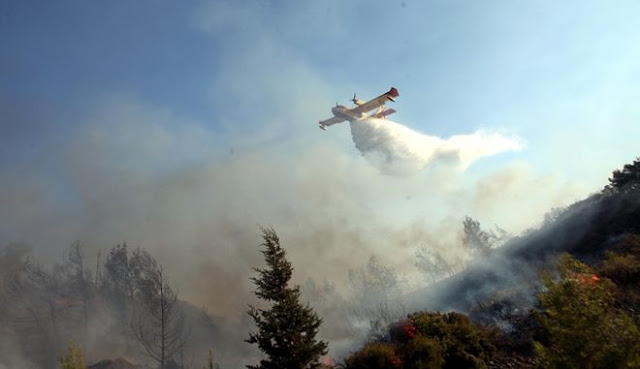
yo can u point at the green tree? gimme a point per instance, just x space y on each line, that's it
287 331
584 329
480 241
72 359
627 179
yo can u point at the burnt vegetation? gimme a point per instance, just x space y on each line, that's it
565 295
125 306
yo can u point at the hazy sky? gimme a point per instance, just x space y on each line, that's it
179 125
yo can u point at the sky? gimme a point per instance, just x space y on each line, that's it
181 126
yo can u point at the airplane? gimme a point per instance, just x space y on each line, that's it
341 113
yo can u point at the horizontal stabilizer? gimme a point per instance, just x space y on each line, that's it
384 113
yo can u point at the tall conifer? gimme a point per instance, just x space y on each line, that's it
287 331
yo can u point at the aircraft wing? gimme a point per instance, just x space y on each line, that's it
330 121
378 101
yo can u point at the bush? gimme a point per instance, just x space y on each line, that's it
621 268
374 355
583 329
464 345
423 353
428 340
72 359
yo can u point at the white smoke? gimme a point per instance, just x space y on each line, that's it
398 150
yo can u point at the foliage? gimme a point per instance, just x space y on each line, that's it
625 180
583 328
286 332
480 241
376 290
374 355
432 264
621 268
428 340
72 359
423 352
463 344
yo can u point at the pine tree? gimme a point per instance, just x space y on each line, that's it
287 331
475 238
627 179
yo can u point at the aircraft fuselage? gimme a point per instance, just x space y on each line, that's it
343 112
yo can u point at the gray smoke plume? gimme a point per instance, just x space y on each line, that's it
398 150
137 173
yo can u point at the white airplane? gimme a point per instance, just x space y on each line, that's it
341 113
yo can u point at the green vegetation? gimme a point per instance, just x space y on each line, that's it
374 355
428 340
72 359
286 332
627 179
623 267
583 327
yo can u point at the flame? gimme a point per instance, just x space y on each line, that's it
327 362
585 279
409 329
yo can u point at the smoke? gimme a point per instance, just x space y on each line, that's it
398 150
140 173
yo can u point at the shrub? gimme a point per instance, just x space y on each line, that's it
428 340
423 352
583 329
72 359
464 345
374 355
621 268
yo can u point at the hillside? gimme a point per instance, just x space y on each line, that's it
586 230
508 293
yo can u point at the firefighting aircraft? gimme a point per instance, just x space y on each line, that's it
341 113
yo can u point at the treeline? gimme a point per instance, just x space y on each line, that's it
125 305
585 316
